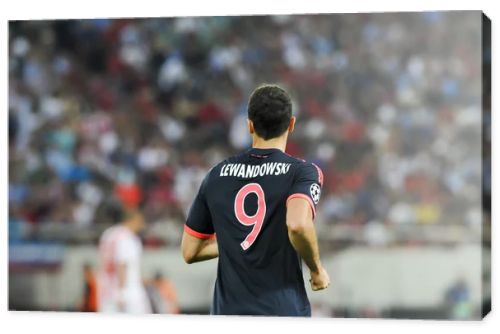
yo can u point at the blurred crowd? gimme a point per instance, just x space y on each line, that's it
106 114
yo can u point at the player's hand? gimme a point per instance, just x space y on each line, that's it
320 279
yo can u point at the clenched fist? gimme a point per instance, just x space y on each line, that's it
320 279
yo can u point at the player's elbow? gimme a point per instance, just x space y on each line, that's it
188 253
189 260
296 226
188 256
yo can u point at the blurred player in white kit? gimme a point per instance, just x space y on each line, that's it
119 279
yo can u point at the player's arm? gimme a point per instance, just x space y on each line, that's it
303 237
301 208
198 241
123 254
195 249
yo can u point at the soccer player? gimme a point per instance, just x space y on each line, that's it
255 212
119 281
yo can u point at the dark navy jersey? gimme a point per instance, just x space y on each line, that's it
242 201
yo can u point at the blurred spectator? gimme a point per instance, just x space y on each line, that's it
162 295
136 111
458 301
89 303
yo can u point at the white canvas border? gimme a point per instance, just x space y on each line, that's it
38 322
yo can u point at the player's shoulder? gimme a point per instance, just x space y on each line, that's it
300 163
212 172
237 158
307 168
296 161
112 233
108 232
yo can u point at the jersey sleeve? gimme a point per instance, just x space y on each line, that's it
199 221
124 250
307 184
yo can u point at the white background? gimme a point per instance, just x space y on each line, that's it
44 322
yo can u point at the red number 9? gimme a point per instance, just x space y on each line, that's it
257 219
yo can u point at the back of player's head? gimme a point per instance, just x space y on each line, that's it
270 110
131 213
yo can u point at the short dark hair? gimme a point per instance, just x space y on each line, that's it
270 110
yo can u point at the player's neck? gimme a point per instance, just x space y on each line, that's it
129 227
278 143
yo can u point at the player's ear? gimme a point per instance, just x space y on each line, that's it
251 129
291 126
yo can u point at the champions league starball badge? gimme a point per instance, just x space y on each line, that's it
315 191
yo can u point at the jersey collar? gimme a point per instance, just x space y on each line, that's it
263 151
